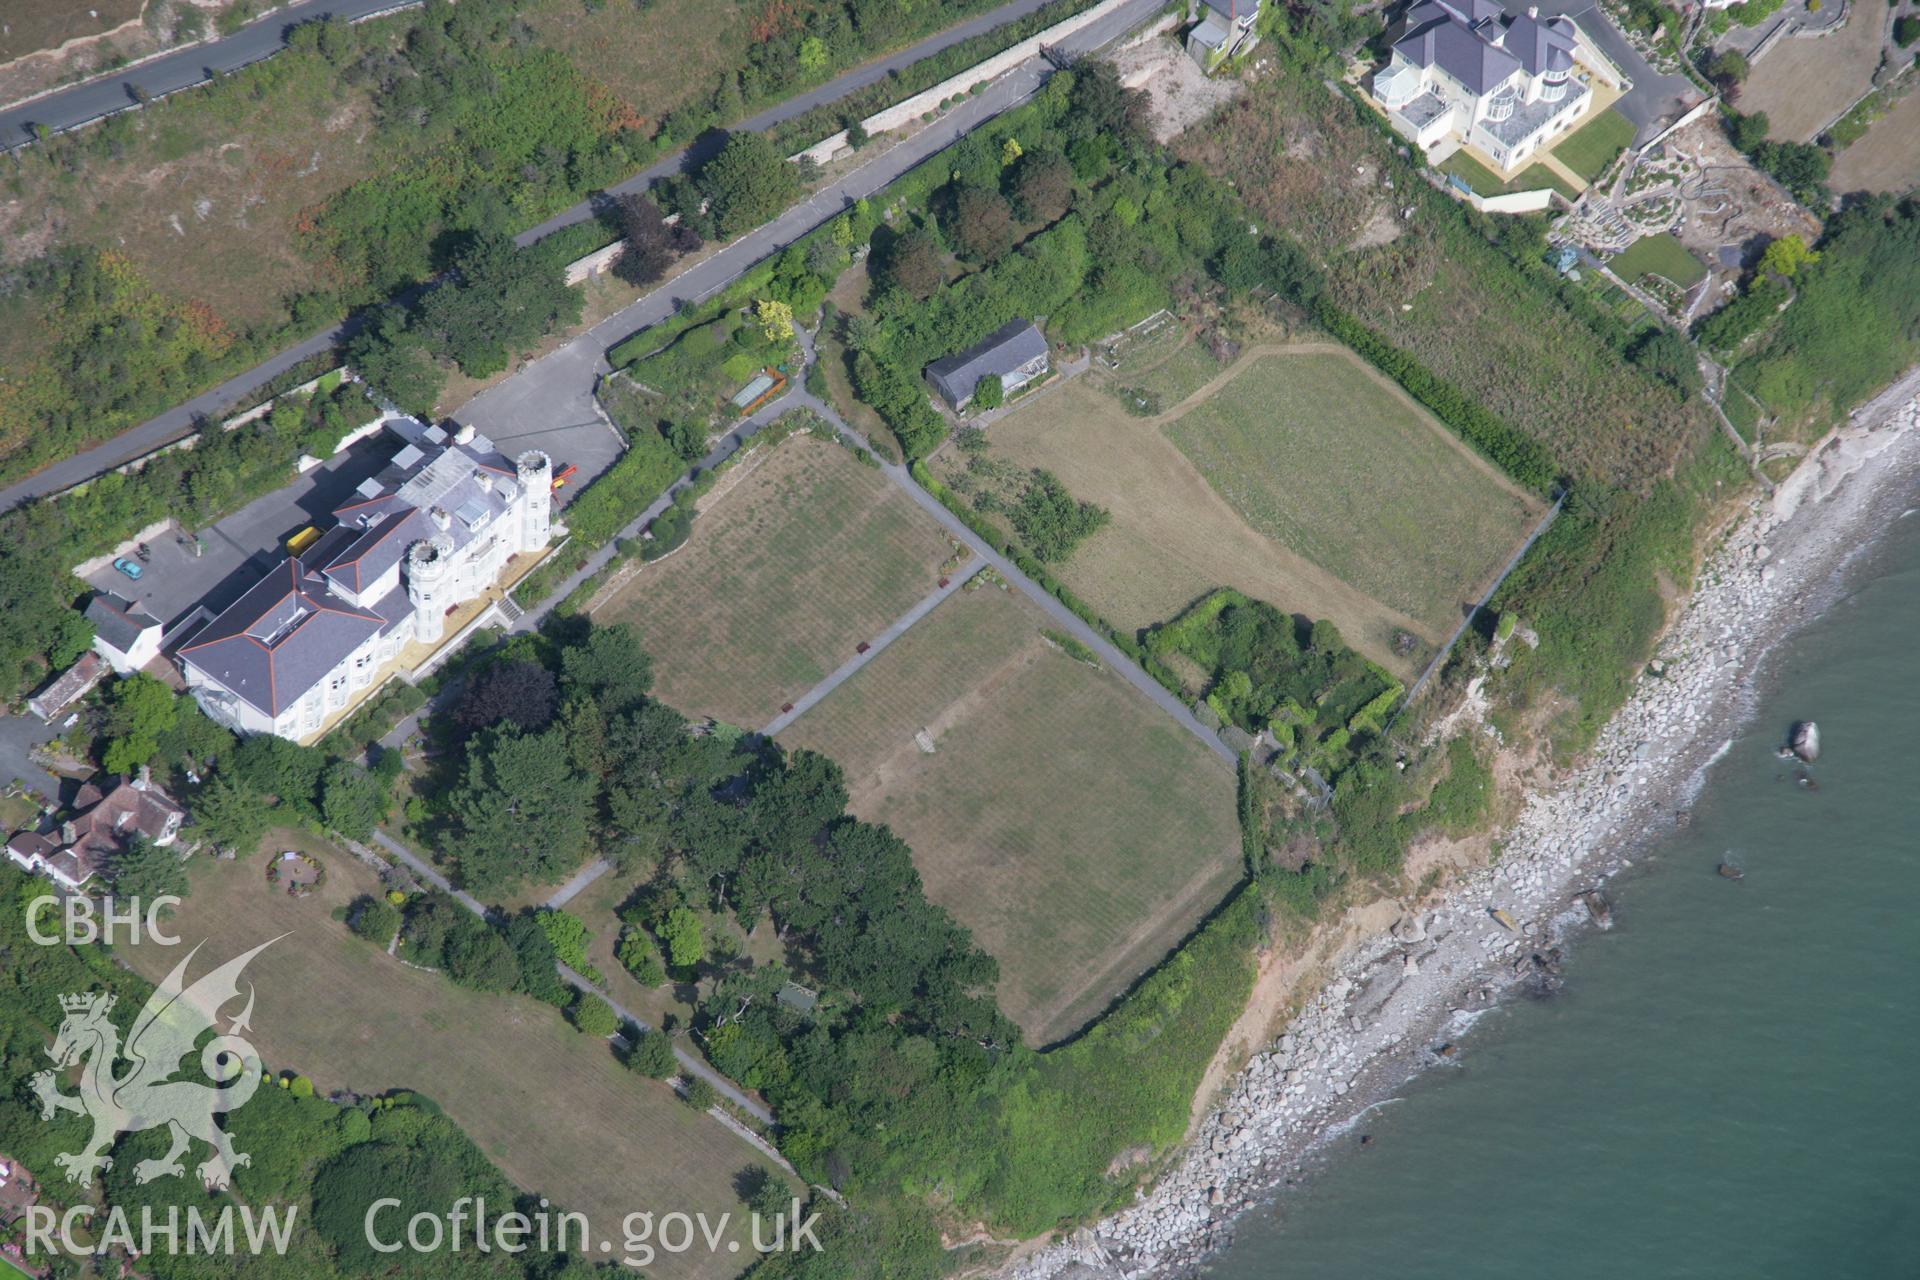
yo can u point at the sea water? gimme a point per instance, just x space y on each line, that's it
1729 1084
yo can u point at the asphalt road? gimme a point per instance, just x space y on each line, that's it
559 386
83 103
261 39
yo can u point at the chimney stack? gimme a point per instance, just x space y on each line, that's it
1533 11
145 781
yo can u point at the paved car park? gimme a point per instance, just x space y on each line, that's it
236 552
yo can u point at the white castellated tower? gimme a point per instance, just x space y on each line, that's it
536 513
428 585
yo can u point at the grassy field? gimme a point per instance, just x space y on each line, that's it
1801 85
1303 480
1592 147
1440 292
32 25
1317 452
1661 255
804 555
1072 825
208 197
552 1108
1888 157
652 57
1485 182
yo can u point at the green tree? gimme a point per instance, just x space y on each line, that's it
763 1192
271 765
374 919
478 957
521 810
230 815
980 225
1043 185
351 800
1669 357
913 263
1785 256
593 1016
139 709
500 301
1747 132
698 1094
989 392
652 1054
1906 30
812 54
685 938
747 182
609 665
396 362
640 957
145 870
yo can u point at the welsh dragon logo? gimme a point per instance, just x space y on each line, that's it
145 1095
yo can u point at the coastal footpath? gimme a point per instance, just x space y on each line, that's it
1400 998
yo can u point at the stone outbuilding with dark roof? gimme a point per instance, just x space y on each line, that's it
1016 353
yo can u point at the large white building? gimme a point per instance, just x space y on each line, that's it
1464 70
430 533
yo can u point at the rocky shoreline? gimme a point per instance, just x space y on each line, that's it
1400 1001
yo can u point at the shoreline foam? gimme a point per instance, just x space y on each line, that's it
1398 994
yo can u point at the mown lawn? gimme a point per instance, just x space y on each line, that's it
1661 255
1317 453
1071 824
796 563
554 1109
1591 148
1485 182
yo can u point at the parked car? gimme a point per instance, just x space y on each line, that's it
129 568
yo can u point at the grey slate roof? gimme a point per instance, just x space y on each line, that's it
118 622
1541 46
1437 37
1231 11
1001 352
281 638
1212 32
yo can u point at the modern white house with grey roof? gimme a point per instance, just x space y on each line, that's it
1016 353
431 532
1464 70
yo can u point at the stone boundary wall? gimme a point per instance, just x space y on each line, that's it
930 99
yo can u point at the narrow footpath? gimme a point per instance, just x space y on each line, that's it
691 1063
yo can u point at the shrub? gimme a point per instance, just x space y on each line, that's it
698 1094
652 1054
375 919
593 1016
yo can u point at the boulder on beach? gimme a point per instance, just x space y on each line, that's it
1804 740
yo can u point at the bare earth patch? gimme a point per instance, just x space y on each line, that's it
1181 94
